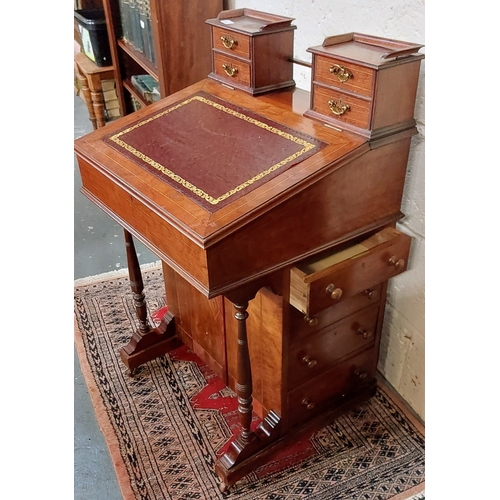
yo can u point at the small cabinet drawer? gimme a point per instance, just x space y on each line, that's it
344 75
331 388
322 350
231 42
342 107
231 69
318 283
303 326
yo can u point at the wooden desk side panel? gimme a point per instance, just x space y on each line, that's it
265 342
272 53
199 322
400 81
154 231
352 199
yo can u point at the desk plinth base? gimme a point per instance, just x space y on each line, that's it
245 454
144 347
263 446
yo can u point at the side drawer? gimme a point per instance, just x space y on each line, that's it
344 76
343 107
331 388
232 69
316 284
319 352
231 42
302 325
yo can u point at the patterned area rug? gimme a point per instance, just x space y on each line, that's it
166 425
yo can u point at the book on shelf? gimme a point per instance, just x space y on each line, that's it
124 7
147 87
108 85
112 104
135 16
145 25
136 27
113 113
109 95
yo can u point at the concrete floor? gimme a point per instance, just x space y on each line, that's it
98 248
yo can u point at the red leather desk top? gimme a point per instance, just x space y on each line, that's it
211 150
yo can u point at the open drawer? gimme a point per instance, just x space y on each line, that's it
318 283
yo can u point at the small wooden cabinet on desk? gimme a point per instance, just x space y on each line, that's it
277 236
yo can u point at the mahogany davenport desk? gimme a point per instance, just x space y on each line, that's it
277 238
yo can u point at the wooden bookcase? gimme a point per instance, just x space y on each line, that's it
181 41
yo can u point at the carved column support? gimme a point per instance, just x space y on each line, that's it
136 284
244 374
246 448
146 343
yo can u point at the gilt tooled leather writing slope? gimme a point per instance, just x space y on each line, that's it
242 149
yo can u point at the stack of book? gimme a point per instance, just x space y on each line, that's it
136 26
147 86
111 103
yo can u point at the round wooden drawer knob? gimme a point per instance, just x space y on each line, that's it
370 294
308 404
311 321
397 263
334 292
364 333
360 374
311 363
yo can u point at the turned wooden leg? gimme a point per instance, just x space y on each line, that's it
86 95
136 284
238 459
97 100
244 375
147 343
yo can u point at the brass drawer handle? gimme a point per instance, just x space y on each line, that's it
308 404
311 363
397 263
334 292
230 69
370 294
341 73
228 42
311 321
364 333
337 108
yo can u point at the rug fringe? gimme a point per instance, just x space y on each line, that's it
420 496
114 274
416 493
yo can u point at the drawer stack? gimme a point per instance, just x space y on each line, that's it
335 324
252 50
364 84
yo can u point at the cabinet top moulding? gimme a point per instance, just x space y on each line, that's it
250 21
369 50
